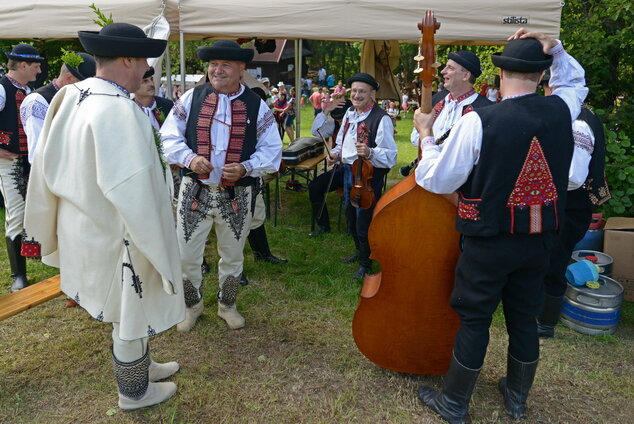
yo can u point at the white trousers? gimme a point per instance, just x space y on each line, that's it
13 185
127 350
201 207
259 214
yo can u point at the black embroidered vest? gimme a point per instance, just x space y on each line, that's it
243 133
164 107
12 135
367 129
594 190
519 184
48 92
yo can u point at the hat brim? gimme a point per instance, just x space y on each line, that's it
520 65
469 66
38 59
221 53
113 46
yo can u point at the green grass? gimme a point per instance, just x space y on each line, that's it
295 361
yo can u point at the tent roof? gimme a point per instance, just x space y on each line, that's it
462 21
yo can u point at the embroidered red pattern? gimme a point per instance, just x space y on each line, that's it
238 130
468 211
534 188
24 148
203 128
5 137
363 133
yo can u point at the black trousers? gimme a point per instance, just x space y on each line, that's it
507 268
576 223
359 219
317 191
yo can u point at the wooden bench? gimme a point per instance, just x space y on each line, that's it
14 303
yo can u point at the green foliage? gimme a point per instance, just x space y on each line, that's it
599 35
341 58
71 58
102 20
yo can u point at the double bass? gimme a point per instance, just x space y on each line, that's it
403 321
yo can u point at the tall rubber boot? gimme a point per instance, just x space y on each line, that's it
17 263
323 221
452 402
549 316
260 246
516 385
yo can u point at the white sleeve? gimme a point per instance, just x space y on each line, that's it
415 137
567 80
32 112
172 132
3 97
324 124
582 154
340 135
444 170
384 154
268 150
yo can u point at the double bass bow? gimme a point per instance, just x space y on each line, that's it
404 321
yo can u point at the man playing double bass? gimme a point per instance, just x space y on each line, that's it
367 132
509 163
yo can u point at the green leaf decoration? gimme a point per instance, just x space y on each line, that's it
101 20
71 58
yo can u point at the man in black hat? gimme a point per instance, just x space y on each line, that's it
156 108
509 163
456 99
98 208
587 189
24 66
326 124
225 137
367 133
76 67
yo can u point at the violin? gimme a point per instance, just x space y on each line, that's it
361 192
404 321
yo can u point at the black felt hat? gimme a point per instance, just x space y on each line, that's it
363 77
149 73
467 60
522 55
24 53
86 69
121 40
225 50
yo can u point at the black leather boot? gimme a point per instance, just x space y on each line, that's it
365 263
452 402
323 221
260 246
516 385
549 316
17 263
243 280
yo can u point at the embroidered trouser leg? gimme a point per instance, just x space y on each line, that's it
259 211
509 268
13 185
127 350
232 223
130 364
194 221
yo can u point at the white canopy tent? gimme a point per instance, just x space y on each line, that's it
462 21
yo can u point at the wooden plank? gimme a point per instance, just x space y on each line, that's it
309 163
14 303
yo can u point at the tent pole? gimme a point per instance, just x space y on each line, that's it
182 57
298 85
168 73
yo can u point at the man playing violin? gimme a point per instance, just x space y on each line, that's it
367 133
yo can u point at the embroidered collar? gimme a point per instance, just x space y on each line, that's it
120 87
151 107
515 96
461 97
233 94
55 86
17 84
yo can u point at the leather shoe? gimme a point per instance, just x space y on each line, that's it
352 258
269 258
243 280
361 272
319 231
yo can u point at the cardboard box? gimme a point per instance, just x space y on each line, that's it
619 244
